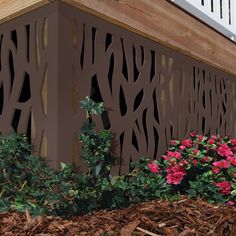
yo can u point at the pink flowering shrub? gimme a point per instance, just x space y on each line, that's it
201 166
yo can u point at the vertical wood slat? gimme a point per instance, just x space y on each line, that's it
216 9
233 15
225 11
207 5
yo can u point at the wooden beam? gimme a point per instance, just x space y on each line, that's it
157 20
10 9
163 22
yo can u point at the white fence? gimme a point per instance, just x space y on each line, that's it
219 14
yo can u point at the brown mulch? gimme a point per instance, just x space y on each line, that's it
181 218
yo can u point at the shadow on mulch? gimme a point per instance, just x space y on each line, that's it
181 218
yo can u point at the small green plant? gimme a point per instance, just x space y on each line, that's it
73 197
96 143
111 192
96 152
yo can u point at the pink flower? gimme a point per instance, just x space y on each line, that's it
224 150
175 155
234 149
216 163
193 134
228 153
175 174
223 164
205 159
182 147
194 162
233 141
211 141
154 168
168 169
178 168
224 186
187 142
200 138
166 158
215 170
174 178
230 203
195 151
184 162
214 137
191 158
233 161
173 142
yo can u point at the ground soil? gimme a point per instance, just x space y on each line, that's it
182 218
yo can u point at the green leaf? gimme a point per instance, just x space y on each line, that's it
192 193
87 127
63 166
97 170
92 107
233 193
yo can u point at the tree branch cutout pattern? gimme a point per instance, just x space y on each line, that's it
152 94
23 80
53 59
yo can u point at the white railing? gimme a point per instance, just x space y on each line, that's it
219 14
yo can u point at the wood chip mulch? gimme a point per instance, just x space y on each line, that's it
181 218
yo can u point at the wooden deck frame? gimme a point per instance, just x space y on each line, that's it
10 9
159 20
165 23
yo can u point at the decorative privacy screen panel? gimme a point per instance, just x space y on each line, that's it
151 93
25 65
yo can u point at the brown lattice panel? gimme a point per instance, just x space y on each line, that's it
54 56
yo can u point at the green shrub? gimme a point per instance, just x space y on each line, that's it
72 196
112 192
201 166
25 181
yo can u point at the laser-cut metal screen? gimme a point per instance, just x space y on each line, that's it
151 93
